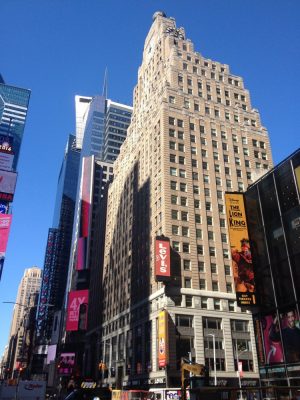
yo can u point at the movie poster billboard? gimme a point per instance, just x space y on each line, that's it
290 333
162 260
66 363
240 249
163 346
272 341
5 223
77 301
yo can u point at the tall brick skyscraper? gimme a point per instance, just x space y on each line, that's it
193 136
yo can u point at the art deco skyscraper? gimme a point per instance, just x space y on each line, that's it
193 136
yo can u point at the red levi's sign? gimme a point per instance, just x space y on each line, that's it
162 260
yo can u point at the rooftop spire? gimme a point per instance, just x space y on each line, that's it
104 90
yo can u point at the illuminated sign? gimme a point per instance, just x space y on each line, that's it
66 363
6 161
163 350
7 184
240 249
5 222
162 260
77 302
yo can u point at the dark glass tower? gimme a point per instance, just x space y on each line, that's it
59 242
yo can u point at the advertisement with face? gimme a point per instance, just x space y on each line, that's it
66 363
290 332
272 341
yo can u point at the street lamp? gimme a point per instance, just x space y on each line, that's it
215 364
238 371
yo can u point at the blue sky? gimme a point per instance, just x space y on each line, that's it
59 48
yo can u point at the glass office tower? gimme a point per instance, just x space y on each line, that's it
273 214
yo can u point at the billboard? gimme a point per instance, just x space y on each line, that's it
290 333
272 341
66 363
6 161
5 223
7 185
163 350
240 249
51 353
77 299
162 260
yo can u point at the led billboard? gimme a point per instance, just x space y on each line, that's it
77 299
163 346
5 223
162 260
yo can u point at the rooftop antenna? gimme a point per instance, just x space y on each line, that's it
104 90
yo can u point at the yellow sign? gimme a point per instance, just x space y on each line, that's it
240 249
163 339
297 173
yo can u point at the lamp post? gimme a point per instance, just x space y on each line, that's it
215 364
238 371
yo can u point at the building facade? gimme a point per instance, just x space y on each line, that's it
273 216
193 136
13 111
28 287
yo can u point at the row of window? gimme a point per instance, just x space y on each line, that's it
187 266
237 325
187 283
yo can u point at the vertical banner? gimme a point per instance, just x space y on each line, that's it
163 346
240 249
272 339
76 299
162 260
297 173
5 222
290 332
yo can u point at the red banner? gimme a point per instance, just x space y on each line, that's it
162 260
76 299
5 222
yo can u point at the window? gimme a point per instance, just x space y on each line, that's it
213 132
238 173
239 325
231 305
200 249
172 99
202 129
187 265
184 320
221 208
201 266
228 287
207 110
208 206
185 231
262 145
224 146
237 161
197 203
213 268
215 286
235 149
173 185
203 141
202 284
174 214
223 135
172 145
185 248
244 140
194 163
175 245
204 165
196 189
198 218
187 283
196 106
228 183
215 155
188 301
256 154
206 178
217 167
248 175
193 138
193 150
217 304
209 220
171 132
183 201
227 269
184 215
204 153
175 230
182 187
180 147
222 222
212 323
182 173
195 176
224 237
192 126
174 199
219 194
227 171
227 115
184 66
172 158
240 186
198 233
171 121
203 301
180 123
173 171
189 81
214 144
226 158
225 253
181 160
210 235
212 252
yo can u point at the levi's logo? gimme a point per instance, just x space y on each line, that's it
162 255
